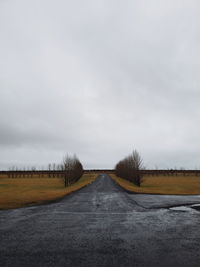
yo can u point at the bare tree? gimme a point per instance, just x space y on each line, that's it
72 169
49 169
130 168
54 168
13 171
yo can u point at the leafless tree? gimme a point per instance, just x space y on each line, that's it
130 168
13 171
54 168
49 169
72 169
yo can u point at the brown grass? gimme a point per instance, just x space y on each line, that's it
172 185
19 192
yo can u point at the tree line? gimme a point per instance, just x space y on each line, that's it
71 169
130 168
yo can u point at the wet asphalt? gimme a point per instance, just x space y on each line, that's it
103 225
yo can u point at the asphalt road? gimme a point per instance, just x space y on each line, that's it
102 225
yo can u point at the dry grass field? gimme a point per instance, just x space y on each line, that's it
19 192
172 185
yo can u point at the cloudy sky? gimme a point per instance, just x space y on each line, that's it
100 78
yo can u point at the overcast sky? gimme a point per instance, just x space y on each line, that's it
100 78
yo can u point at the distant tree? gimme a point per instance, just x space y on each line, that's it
59 168
54 169
130 168
33 169
13 171
49 169
72 169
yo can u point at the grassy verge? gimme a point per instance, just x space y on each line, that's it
168 185
19 192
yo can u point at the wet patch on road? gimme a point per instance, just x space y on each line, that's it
196 207
181 208
186 208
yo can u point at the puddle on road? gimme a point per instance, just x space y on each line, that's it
196 207
181 208
186 208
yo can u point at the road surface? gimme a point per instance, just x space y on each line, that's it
102 225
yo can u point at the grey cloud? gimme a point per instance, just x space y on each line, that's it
99 79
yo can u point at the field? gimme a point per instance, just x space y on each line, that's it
19 192
162 184
34 189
